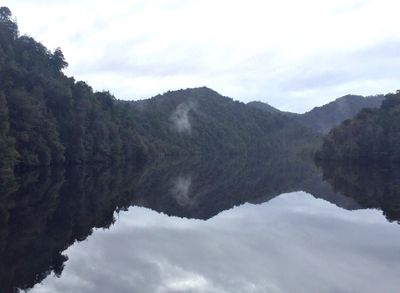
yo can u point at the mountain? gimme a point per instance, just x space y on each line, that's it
264 107
47 118
372 135
201 121
323 119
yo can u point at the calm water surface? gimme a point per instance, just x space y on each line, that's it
294 243
276 226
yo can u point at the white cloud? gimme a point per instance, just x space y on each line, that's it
292 54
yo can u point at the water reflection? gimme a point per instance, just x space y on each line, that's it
47 212
201 190
292 244
371 186
44 212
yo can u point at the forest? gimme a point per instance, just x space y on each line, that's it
47 118
373 135
323 118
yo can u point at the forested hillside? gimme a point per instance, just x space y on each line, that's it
47 118
323 119
373 135
200 121
264 106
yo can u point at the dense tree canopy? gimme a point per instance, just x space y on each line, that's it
372 135
47 118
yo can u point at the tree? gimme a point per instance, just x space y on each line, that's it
5 14
58 60
372 135
6 22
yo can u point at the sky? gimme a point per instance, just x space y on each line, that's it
293 55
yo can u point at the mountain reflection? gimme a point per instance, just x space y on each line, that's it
45 211
201 190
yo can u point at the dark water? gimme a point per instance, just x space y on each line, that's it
275 225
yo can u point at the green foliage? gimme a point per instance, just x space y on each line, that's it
373 135
51 119
10 30
58 60
217 125
47 118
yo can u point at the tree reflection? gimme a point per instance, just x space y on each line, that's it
371 185
43 212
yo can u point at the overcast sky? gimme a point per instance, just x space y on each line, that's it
291 54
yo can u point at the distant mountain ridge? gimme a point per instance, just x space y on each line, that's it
324 118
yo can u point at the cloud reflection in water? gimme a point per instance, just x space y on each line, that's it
294 243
